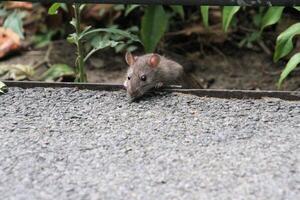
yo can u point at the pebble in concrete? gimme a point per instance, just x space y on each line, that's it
71 144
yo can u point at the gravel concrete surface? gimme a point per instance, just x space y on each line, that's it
70 144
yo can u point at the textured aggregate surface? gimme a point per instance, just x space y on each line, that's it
70 144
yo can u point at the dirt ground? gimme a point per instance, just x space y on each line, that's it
222 69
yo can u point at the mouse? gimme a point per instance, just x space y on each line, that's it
151 71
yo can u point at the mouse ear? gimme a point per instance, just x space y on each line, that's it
130 59
154 60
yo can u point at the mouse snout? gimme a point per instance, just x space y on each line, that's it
125 84
133 92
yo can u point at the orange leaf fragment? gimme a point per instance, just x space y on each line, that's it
9 41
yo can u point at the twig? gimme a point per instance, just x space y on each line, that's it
276 73
264 47
247 29
219 52
46 59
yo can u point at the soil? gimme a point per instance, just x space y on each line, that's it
212 56
224 68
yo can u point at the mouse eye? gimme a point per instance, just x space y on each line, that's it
143 78
128 77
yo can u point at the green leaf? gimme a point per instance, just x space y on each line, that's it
120 47
42 40
297 8
284 42
179 10
86 29
99 43
73 22
15 23
271 17
154 25
130 8
257 18
81 7
54 8
111 30
56 71
131 48
227 15
249 39
3 88
119 7
64 7
72 38
204 13
290 66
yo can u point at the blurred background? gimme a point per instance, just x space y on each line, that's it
224 47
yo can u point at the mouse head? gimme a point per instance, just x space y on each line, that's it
141 74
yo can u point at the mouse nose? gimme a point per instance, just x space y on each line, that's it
125 84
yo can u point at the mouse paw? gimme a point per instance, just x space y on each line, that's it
159 85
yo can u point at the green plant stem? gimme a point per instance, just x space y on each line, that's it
90 54
80 59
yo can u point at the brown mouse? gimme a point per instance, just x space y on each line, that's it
151 71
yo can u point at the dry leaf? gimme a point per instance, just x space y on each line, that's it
16 72
97 11
101 12
215 14
18 4
9 41
213 34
